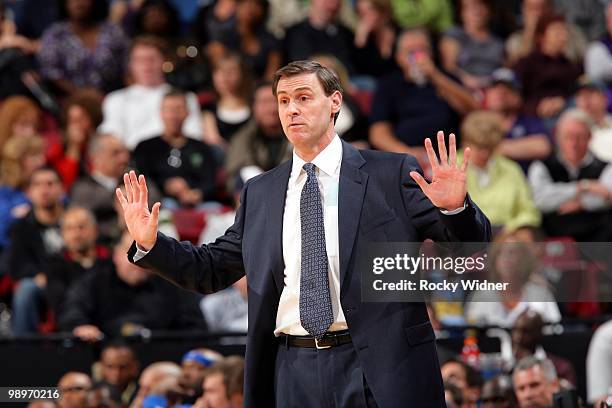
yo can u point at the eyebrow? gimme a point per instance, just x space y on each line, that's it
301 88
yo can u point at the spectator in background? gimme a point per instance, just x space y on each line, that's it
435 15
74 388
496 184
158 18
183 169
83 50
523 42
527 341
232 82
465 378
154 374
592 98
215 22
351 124
119 369
21 156
546 74
34 239
535 381
125 301
226 311
572 188
81 115
526 138
79 257
587 15
413 104
511 261
599 364
598 58
321 33
260 145
375 38
19 117
223 385
194 365
498 393
471 52
132 113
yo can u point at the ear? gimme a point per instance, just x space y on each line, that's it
336 99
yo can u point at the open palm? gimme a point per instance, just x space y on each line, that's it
448 187
141 223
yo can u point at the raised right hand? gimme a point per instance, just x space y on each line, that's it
141 223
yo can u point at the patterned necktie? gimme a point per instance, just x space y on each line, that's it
316 313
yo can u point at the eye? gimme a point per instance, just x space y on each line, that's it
283 101
303 98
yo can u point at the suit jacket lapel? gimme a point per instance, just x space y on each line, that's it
350 200
275 211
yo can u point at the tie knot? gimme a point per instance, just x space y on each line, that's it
309 168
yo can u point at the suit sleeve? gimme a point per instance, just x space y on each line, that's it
204 269
469 225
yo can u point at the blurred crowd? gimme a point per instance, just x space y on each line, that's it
180 91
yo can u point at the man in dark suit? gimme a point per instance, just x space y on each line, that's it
312 342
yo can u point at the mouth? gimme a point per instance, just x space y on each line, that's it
296 124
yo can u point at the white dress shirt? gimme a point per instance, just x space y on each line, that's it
132 114
328 164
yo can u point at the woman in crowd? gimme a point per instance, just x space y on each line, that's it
232 84
83 50
471 52
81 116
19 117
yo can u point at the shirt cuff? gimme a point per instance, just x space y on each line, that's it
140 253
450 212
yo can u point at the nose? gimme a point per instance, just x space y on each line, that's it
292 109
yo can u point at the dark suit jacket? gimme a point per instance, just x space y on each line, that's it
378 201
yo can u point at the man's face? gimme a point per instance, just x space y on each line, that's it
265 108
74 388
534 8
455 373
411 46
480 155
526 333
78 231
306 113
502 98
146 65
173 113
192 374
532 389
119 367
112 158
215 395
573 139
593 102
326 9
45 190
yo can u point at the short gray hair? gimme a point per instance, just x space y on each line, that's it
577 115
547 367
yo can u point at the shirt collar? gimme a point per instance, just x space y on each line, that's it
108 183
328 160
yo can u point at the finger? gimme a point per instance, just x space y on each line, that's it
466 159
144 192
128 188
431 155
419 180
452 150
155 213
121 198
134 181
442 149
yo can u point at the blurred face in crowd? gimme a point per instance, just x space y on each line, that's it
573 138
192 374
45 190
152 376
411 46
593 102
74 388
127 271
119 366
474 13
306 113
369 13
79 230
226 76
454 373
78 117
497 393
554 39
526 333
215 393
146 65
534 8
609 18
325 10
502 98
31 161
480 155
26 124
532 389
265 110
250 12
112 158
155 21
173 114
79 10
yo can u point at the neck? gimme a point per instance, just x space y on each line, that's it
308 153
317 20
175 139
81 25
85 257
553 53
48 216
476 31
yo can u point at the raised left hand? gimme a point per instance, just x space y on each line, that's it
448 187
